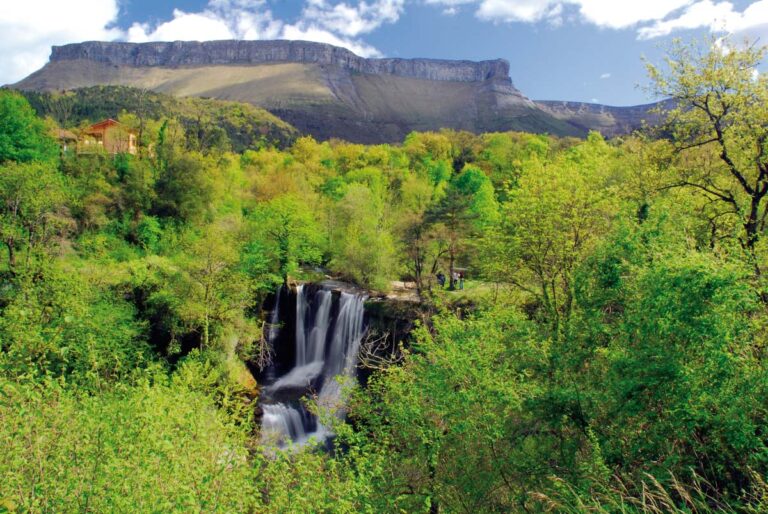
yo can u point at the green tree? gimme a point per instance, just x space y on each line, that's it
719 103
550 222
286 230
209 287
23 136
468 207
362 245
32 207
450 423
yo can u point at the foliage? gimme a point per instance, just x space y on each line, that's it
23 136
609 356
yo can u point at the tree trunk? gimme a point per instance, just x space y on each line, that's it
11 254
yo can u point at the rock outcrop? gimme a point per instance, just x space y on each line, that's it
608 120
207 53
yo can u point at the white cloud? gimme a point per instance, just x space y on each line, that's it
337 24
351 20
342 24
752 23
184 26
516 10
29 28
652 18
701 14
615 14
605 76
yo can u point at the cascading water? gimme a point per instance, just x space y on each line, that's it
328 328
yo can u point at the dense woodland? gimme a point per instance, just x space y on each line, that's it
608 353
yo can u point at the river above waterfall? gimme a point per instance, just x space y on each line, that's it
315 333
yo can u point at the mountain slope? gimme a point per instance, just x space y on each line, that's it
320 89
245 126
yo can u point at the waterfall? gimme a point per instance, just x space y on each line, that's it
274 319
328 329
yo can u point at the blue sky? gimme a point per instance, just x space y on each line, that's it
581 50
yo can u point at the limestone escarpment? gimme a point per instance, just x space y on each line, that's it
608 120
196 53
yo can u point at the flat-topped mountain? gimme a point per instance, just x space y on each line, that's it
321 89
196 53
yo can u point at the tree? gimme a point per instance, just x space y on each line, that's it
184 186
420 247
720 104
287 232
32 200
23 136
550 222
209 285
362 245
469 205
450 422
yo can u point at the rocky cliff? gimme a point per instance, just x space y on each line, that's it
320 89
609 120
207 53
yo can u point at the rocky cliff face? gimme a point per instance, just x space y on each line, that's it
196 53
608 120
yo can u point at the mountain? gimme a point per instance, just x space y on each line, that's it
329 91
608 120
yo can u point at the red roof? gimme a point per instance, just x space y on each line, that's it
103 125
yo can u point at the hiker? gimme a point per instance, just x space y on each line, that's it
441 279
461 280
454 280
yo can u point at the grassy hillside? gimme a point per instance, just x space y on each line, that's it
207 120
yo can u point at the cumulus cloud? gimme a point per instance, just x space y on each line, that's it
517 10
651 18
618 15
352 20
603 13
342 24
222 19
752 23
28 29
339 24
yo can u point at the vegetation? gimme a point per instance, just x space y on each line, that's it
607 355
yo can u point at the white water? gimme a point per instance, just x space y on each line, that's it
274 319
326 349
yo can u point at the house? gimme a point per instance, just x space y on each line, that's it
108 136
67 140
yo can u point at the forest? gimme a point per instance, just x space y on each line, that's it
607 352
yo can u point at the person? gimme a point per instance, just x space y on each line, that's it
441 279
454 280
461 280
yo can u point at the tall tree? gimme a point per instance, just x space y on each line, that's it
23 136
469 205
720 103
